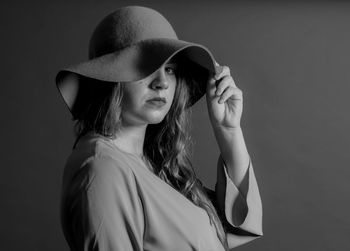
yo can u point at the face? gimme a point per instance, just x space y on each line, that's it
137 108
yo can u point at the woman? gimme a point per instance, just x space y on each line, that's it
128 183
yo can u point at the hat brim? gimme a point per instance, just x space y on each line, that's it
130 64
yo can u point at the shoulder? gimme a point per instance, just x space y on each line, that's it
95 160
102 178
107 167
95 150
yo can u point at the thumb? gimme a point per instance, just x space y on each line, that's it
212 82
218 69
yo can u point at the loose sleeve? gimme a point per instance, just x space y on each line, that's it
107 210
239 209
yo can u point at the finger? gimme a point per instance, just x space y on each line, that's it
211 86
218 71
222 71
231 92
224 83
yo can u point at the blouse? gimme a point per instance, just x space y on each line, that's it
111 201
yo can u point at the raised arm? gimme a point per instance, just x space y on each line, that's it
236 193
236 190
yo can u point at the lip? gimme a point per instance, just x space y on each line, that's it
158 102
157 99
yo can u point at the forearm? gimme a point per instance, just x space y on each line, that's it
233 151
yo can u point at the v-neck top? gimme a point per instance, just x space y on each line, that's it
111 201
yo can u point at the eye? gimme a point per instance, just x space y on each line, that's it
171 69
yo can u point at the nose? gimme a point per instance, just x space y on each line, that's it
160 80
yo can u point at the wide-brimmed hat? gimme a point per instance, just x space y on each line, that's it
128 45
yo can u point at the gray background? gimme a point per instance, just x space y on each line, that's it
291 60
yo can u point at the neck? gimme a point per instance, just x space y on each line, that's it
131 138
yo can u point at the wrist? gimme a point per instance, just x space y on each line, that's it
227 128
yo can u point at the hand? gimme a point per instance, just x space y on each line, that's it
224 99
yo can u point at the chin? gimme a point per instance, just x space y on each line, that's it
155 120
155 116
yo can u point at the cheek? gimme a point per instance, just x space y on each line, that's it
173 88
131 97
126 101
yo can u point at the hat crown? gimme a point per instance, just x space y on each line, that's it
127 26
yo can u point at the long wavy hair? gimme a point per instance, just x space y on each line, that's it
167 145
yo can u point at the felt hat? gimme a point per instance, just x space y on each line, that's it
128 45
